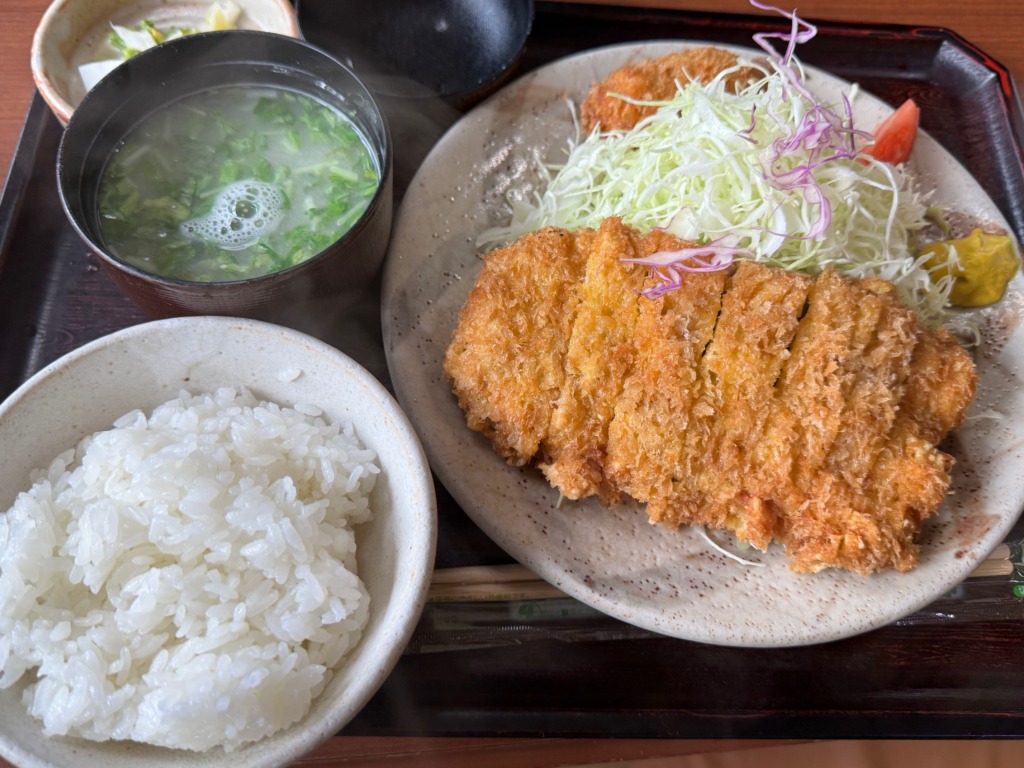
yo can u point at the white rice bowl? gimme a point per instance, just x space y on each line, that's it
200 631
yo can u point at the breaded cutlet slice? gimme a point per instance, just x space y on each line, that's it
911 474
653 414
941 385
760 312
807 412
872 526
872 397
599 355
839 390
506 359
656 80
867 520
827 521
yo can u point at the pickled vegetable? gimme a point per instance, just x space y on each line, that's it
981 263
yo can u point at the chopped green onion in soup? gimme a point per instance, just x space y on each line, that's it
233 183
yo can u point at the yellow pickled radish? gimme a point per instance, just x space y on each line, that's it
983 267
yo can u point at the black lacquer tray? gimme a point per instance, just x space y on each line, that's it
556 668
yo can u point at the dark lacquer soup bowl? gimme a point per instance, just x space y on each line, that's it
231 173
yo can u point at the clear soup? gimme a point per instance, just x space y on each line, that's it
233 183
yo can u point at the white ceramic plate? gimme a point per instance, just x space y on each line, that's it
145 365
612 559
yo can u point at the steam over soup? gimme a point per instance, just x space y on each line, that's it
234 182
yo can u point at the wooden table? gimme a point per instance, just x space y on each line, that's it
995 27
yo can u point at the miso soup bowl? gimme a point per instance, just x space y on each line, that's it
337 278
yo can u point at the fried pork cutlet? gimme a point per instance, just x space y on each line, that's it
656 409
908 477
600 354
508 356
788 409
656 80
760 312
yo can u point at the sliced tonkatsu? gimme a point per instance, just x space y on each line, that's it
784 408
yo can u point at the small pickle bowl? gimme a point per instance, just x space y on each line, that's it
195 66
142 367
73 35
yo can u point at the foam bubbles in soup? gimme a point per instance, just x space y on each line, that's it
241 214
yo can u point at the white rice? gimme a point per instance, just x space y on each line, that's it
186 579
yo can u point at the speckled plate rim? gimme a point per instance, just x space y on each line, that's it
613 559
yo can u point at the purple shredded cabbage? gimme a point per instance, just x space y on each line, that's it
669 267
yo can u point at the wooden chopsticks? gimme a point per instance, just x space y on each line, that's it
489 583
999 563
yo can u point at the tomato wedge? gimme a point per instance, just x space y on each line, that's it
894 136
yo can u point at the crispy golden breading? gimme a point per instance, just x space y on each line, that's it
879 372
601 352
760 312
810 394
852 514
507 357
940 381
909 476
788 409
599 355
646 439
656 80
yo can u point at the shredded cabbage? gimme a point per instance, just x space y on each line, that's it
767 173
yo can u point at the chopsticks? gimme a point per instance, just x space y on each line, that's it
492 583
999 563
489 583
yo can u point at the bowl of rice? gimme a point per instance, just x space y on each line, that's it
216 538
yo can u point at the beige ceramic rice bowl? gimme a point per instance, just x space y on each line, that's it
146 365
